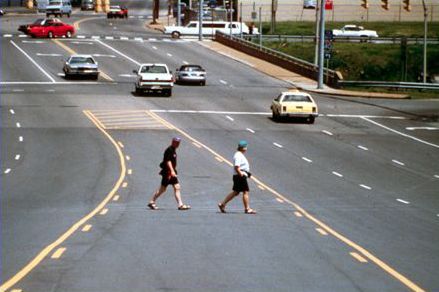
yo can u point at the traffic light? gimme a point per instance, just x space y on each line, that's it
365 4
407 5
385 4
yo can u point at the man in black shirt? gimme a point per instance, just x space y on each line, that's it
169 176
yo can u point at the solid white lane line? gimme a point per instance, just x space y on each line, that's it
169 55
32 60
250 130
12 111
365 116
398 162
223 82
116 51
400 133
363 148
327 133
365 187
127 75
21 139
337 174
18 125
210 112
307 159
403 201
277 145
8 170
230 118
17 157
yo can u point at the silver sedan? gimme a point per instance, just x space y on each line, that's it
190 74
81 65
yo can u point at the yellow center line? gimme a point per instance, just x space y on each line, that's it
387 268
58 253
48 249
72 52
86 228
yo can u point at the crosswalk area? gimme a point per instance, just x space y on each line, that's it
127 120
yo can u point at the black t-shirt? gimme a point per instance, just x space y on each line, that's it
170 155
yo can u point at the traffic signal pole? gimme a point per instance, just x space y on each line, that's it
321 43
424 78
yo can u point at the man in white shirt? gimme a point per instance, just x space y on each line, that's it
241 172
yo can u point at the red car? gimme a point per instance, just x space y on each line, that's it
117 11
48 28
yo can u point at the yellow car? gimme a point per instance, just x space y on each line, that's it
296 104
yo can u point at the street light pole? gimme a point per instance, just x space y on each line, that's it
424 78
316 54
179 13
200 20
321 43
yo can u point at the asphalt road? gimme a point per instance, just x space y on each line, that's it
347 204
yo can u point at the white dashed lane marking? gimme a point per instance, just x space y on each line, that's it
12 111
327 133
398 162
169 55
21 139
365 187
307 159
230 118
18 125
436 175
223 82
185 62
403 201
8 170
363 148
337 174
154 47
250 130
277 145
17 157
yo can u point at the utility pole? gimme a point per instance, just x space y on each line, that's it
273 15
179 13
424 78
231 17
316 54
321 43
155 11
260 27
200 20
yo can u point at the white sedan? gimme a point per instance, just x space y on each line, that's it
352 30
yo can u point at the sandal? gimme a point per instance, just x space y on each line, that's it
222 208
152 206
184 207
250 211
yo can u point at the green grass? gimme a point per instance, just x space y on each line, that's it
384 29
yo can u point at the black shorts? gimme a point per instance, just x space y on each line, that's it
169 180
240 183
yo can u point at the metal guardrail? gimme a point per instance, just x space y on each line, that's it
383 84
286 61
379 40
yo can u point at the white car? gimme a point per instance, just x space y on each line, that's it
154 77
209 28
352 30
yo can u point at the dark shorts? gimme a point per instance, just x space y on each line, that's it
240 183
166 180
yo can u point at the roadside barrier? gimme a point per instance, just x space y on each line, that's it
285 61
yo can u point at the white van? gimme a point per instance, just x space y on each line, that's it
59 8
209 28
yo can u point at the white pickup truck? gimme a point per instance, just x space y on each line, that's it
209 28
154 77
352 30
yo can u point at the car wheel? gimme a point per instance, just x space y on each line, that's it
68 34
138 91
168 92
275 116
175 35
203 83
68 15
50 34
311 120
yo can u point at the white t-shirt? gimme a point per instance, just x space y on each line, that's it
240 160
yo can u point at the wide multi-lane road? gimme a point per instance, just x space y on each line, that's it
350 203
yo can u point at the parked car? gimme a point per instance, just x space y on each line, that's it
59 8
154 77
209 28
190 74
81 65
117 11
310 4
296 104
87 5
352 30
48 27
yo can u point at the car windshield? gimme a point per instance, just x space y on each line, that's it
191 68
39 21
153 69
81 60
54 2
296 97
115 7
